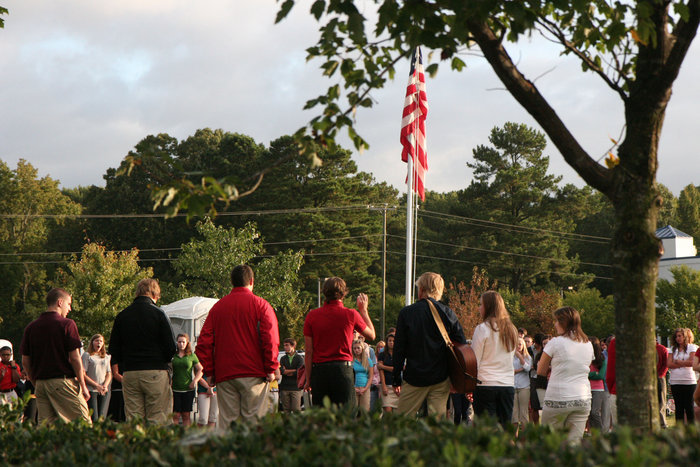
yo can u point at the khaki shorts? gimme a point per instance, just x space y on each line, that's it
60 398
391 399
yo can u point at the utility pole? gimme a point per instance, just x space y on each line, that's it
383 327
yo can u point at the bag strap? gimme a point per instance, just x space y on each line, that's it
441 327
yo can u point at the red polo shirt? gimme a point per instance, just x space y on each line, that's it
331 328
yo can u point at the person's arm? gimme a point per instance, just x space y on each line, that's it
610 371
27 365
198 372
77 365
370 375
308 359
14 371
543 366
362 308
399 350
478 342
205 348
270 338
696 363
116 376
382 381
525 361
108 379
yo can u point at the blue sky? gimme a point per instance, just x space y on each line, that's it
83 81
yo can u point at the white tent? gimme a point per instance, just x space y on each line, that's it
188 315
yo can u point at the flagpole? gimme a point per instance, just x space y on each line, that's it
409 232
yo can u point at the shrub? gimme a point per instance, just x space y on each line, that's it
332 437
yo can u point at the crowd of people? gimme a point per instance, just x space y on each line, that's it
235 373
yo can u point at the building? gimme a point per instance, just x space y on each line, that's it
679 249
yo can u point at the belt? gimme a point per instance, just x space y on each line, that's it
5 391
334 363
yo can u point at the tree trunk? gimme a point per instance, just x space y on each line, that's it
635 258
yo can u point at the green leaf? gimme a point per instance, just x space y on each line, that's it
432 69
284 10
317 8
458 64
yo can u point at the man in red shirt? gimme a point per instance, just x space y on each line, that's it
238 348
9 375
328 333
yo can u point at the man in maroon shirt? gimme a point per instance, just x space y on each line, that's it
51 357
238 349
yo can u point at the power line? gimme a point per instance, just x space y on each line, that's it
485 250
514 227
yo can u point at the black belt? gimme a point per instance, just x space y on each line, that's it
334 363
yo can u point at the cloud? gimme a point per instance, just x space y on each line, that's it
84 81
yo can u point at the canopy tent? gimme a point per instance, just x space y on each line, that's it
188 315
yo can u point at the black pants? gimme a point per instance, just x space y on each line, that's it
683 398
336 380
496 401
460 405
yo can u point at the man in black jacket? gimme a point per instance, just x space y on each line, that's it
142 345
419 343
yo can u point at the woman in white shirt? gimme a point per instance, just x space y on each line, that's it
98 376
567 402
681 375
494 344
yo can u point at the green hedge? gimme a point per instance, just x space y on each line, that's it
328 437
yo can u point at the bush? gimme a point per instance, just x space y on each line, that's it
331 437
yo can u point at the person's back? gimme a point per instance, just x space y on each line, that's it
142 345
143 339
238 347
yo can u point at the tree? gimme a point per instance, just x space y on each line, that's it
205 263
464 300
689 211
102 283
597 312
538 311
678 300
32 209
635 48
524 214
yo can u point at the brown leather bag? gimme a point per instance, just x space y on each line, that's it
461 359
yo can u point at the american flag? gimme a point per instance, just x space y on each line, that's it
415 110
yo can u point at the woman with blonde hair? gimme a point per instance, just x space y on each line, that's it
522 362
681 374
364 371
567 401
98 376
494 344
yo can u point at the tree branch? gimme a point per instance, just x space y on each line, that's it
529 97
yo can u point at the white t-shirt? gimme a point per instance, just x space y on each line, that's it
97 367
683 375
570 364
494 362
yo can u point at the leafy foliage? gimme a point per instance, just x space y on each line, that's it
310 437
678 300
689 211
464 300
102 283
538 311
206 262
597 312
24 199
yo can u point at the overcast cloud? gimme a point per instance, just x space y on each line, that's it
83 81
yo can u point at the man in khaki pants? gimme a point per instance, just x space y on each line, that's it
51 357
238 348
419 343
142 345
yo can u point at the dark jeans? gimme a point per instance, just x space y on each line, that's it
460 405
496 401
336 380
116 406
683 398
